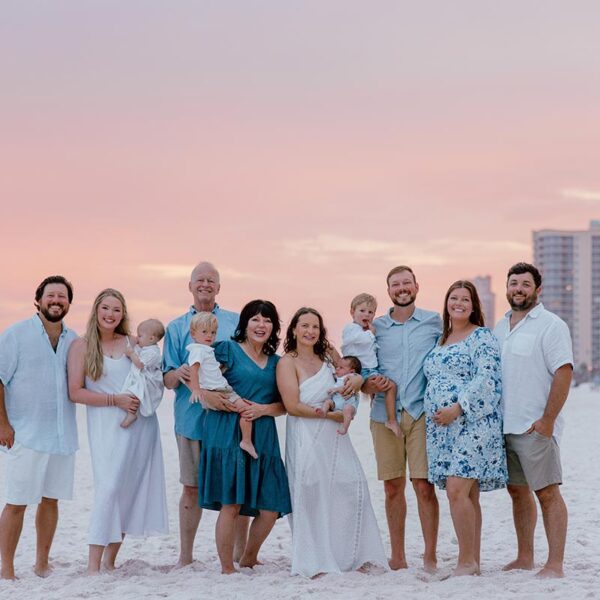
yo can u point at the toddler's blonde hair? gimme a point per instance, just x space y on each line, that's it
203 318
363 299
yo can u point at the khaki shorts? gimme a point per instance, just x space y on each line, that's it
33 475
189 460
391 453
533 459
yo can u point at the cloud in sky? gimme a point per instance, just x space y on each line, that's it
586 196
327 248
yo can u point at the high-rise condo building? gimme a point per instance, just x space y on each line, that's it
570 266
483 284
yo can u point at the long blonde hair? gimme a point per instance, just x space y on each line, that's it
94 359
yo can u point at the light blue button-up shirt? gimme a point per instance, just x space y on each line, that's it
177 338
35 387
402 348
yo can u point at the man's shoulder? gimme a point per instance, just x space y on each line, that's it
179 321
228 314
550 317
18 329
427 315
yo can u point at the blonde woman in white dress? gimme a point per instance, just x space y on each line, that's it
127 463
333 524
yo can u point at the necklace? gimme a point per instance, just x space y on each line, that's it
109 350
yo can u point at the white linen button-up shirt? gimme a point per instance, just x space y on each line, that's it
35 387
532 351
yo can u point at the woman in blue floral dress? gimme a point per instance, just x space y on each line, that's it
465 446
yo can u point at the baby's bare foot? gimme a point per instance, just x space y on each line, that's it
128 420
394 428
249 448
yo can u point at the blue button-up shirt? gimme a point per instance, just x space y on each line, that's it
35 387
177 338
402 348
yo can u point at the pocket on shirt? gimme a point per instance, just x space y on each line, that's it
522 344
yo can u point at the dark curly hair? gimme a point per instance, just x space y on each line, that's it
265 309
321 348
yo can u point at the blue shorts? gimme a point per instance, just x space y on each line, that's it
366 373
339 402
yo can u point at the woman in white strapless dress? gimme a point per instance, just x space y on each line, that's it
127 463
333 524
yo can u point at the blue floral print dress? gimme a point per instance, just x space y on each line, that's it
472 446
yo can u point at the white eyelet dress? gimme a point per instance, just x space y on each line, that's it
129 475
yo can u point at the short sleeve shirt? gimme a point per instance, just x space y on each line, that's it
531 353
402 348
35 387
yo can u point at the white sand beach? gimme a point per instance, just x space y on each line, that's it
145 564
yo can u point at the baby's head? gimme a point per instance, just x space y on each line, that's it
203 328
362 309
348 365
150 332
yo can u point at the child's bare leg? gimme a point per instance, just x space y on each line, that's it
390 411
246 444
129 419
348 414
325 407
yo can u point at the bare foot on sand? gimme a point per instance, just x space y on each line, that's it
468 569
550 572
181 564
396 564
249 562
519 563
430 566
43 571
229 571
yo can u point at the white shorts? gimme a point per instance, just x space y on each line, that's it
31 475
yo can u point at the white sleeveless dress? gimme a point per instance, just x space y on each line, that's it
333 524
129 476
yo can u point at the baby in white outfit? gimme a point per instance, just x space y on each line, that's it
145 380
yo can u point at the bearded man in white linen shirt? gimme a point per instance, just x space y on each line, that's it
38 431
537 367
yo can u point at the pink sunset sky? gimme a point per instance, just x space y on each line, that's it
304 148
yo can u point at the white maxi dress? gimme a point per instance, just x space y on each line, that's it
333 524
129 475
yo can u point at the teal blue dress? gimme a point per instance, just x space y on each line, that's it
227 474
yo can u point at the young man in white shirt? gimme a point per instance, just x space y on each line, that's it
537 367
38 431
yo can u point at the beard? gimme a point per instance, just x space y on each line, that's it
404 304
53 317
522 305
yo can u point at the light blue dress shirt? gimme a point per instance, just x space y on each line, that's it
402 348
35 387
188 415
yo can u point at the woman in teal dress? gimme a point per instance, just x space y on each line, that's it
230 480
